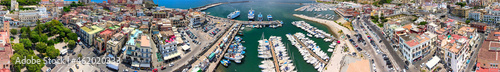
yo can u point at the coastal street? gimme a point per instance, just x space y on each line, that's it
367 47
393 54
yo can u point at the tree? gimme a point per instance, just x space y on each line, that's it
467 21
24 52
37 67
50 43
73 4
41 47
461 4
52 52
72 36
66 30
25 30
17 66
380 25
40 27
27 43
422 23
62 34
17 46
13 31
71 44
24 35
34 37
79 55
66 9
44 38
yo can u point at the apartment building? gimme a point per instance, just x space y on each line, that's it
88 33
488 57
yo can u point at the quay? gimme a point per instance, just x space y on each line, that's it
276 22
275 59
264 23
212 67
309 50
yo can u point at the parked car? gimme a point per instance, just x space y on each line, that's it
171 64
163 67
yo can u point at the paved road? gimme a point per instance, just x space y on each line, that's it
395 56
379 62
474 56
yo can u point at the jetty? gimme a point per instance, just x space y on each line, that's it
201 8
309 50
276 23
275 59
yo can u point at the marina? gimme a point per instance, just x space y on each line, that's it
275 49
316 7
281 54
311 53
313 31
326 16
235 51
252 61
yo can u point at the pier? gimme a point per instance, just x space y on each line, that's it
276 22
309 50
275 59
201 8
264 23
212 67
207 6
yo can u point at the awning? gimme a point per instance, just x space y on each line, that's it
146 65
111 56
185 47
113 65
196 69
135 64
432 62
171 56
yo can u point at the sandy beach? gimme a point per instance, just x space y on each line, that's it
332 26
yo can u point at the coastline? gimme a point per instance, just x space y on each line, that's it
332 26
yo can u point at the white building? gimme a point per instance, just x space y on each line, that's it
475 15
14 5
42 11
456 47
28 16
493 16
413 46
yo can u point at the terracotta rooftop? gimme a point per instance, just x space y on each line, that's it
416 40
408 26
144 41
5 54
466 29
486 55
